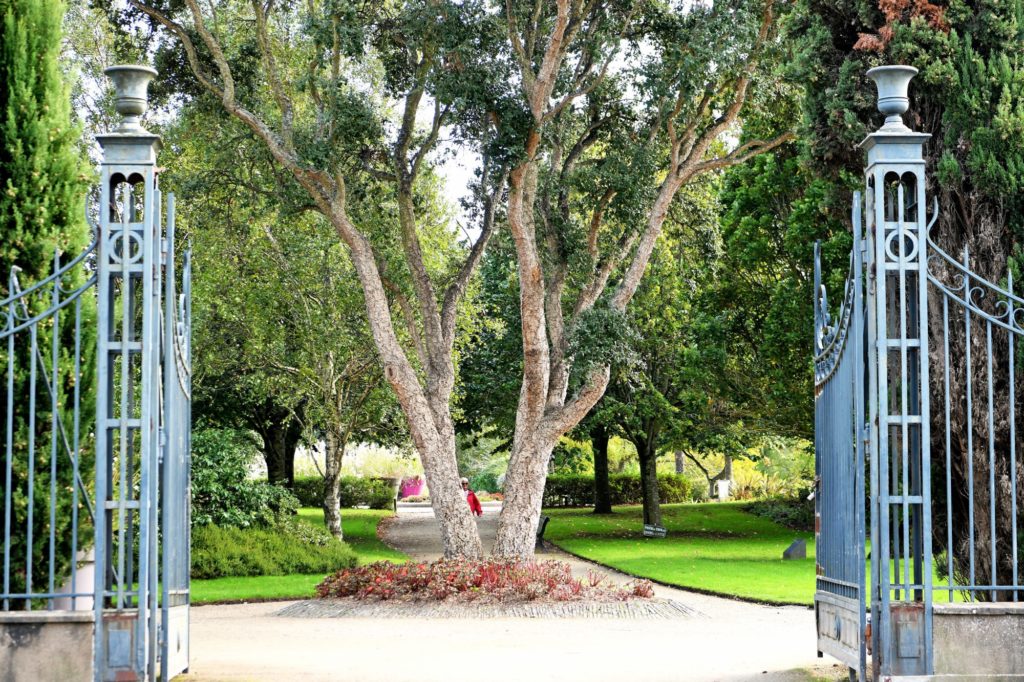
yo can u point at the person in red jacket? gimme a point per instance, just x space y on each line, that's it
474 503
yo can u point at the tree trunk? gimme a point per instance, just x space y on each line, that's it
602 488
524 494
293 434
276 451
427 412
649 480
680 462
459 534
335 450
724 475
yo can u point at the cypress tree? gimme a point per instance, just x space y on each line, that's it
969 95
42 185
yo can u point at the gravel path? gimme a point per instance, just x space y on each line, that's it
709 639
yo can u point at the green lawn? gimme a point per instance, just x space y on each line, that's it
712 547
254 588
360 528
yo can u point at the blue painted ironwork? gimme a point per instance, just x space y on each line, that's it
982 563
900 425
139 432
839 600
42 416
915 290
175 464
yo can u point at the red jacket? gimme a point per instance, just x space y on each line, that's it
474 503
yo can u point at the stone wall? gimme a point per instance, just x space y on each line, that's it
46 646
979 639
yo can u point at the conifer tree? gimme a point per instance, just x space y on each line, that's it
42 184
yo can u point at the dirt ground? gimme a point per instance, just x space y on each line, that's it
724 640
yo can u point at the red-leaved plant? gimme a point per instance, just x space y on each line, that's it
485 580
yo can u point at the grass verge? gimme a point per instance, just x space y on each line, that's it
360 528
715 547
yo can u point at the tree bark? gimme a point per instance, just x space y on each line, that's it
680 462
275 452
335 450
645 448
524 493
602 488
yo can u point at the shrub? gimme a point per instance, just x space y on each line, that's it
484 481
221 493
309 490
576 490
288 548
374 493
481 580
792 512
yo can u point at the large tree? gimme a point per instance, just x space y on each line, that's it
581 275
538 89
332 72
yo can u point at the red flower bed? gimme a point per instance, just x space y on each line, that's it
484 580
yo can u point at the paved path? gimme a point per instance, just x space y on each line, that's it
727 640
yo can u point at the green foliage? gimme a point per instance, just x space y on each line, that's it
485 481
43 179
222 493
761 303
601 336
483 461
296 547
796 512
572 457
374 493
577 490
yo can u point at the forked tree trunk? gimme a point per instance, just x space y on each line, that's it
602 487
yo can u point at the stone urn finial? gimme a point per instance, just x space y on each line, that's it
893 82
130 94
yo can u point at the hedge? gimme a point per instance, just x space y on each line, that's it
374 493
577 490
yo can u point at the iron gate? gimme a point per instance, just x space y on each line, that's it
839 462
107 390
935 331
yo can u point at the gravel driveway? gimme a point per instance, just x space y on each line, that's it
724 639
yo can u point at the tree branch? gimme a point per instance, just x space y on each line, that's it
457 288
284 102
